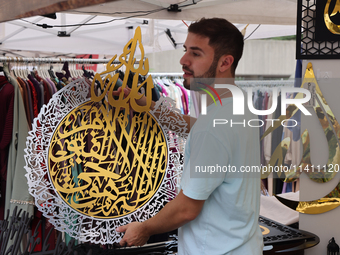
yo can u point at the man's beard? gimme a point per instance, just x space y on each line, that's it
206 78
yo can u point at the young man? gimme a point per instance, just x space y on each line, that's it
216 213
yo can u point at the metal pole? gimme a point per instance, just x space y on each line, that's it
56 60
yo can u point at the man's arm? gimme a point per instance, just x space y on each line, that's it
174 214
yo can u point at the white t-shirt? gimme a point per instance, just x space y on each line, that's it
228 222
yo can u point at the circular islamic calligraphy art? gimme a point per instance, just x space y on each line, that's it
90 170
103 169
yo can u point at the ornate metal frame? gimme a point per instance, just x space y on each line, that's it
307 47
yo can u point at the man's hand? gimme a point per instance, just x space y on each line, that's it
119 90
135 234
174 215
141 101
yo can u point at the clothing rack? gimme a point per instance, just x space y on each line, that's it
246 83
266 83
56 60
166 74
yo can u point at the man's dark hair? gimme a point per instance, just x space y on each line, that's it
223 36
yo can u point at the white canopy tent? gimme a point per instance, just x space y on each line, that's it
267 18
278 12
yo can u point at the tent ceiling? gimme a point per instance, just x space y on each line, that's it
277 18
280 12
15 9
106 39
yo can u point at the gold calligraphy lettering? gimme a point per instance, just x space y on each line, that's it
104 159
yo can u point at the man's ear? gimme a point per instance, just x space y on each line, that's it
225 63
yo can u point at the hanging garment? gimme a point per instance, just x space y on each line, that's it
185 99
194 108
267 141
34 99
54 89
16 184
259 106
24 91
6 127
276 140
47 88
30 101
263 128
37 89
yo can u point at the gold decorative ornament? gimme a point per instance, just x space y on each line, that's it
264 230
96 161
326 172
331 129
331 26
317 206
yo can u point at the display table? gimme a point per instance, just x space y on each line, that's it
278 239
281 239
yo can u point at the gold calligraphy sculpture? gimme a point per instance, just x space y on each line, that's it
96 161
331 26
326 172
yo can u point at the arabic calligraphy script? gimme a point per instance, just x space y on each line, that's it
108 156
